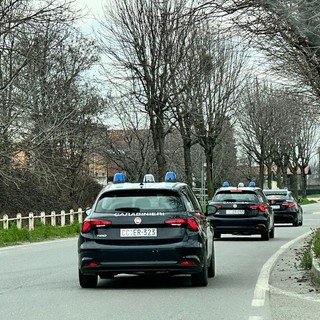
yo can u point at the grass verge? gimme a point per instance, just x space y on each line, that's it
14 236
305 255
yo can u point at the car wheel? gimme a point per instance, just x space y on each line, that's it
301 220
272 233
296 223
200 279
217 235
265 235
212 266
87 281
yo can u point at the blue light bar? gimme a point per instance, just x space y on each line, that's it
225 184
119 177
170 177
252 184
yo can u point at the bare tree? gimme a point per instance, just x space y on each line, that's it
286 31
129 147
148 40
216 88
258 122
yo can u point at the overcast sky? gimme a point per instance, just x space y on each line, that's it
95 6
94 9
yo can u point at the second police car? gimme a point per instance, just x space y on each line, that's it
148 227
242 211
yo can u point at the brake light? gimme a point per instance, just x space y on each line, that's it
188 263
288 204
191 223
176 222
260 207
90 264
218 206
88 224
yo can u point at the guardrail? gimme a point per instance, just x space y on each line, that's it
55 219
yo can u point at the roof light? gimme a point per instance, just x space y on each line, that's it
170 177
252 184
148 178
225 184
119 177
240 184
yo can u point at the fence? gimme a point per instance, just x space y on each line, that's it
54 218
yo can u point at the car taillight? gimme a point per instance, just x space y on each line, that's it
218 206
191 223
259 207
288 204
88 224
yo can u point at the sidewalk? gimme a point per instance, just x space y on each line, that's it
287 276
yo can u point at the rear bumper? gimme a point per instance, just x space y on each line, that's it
245 226
285 217
102 259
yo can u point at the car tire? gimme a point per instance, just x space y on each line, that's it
217 235
87 281
212 266
272 233
200 279
301 220
265 236
296 223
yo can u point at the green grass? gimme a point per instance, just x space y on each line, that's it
316 243
305 256
14 236
307 201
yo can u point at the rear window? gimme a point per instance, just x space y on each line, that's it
278 196
236 196
137 201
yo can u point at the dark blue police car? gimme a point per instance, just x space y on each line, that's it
148 227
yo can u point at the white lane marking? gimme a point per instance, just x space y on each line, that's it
255 318
257 302
262 285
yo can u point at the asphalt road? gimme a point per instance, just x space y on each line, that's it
39 281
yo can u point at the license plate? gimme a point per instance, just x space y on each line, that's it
234 211
138 232
275 207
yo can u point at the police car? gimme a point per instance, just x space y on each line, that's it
241 210
147 227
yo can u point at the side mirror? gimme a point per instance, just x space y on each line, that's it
210 209
87 211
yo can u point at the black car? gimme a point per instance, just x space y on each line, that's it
241 211
146 228
285 206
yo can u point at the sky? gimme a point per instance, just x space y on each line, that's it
94 9
94 6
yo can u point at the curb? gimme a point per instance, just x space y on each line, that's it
315 268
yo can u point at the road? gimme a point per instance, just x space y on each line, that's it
39 281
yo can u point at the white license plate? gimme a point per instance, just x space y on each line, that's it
138 232
275 207
234 211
